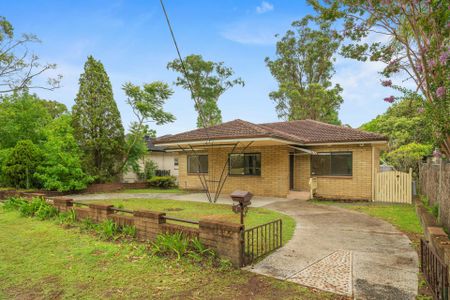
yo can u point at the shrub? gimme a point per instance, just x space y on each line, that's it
13 203
108 230
128 231
178 245
67 217
164 182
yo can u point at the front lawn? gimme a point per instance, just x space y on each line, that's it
198 210
42 260
402 216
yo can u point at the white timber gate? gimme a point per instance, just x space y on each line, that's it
393 187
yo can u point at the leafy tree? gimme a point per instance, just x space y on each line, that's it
147 106
414 47
408 156
22 117
55 108
61 167
18 66
19 167
207 81
97 123
303 68
404 122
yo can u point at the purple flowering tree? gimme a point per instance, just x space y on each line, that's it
411 38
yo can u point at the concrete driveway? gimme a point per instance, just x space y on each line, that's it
345 252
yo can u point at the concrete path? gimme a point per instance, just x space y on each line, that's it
257 201
345 252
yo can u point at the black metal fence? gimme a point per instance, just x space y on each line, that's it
261 240
435 271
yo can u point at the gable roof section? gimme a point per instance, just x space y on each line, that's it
300 132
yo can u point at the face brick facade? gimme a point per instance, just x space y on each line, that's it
274 178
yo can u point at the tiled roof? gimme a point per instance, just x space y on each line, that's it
302 132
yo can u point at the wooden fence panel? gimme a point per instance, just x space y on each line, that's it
394 187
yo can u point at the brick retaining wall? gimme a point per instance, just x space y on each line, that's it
224 238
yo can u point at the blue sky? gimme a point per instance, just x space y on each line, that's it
132 40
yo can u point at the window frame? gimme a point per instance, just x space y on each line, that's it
331 154
245 154
188 164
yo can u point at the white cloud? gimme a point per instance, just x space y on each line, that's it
264 7
254 31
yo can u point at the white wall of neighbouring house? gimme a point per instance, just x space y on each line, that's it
164 161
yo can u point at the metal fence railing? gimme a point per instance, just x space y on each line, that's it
435 271
261 240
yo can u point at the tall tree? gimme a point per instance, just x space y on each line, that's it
18 66
147 106
61 168
410 37
23 116
207 81
97 123
303 68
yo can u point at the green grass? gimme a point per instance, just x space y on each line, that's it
42 260
402 216
198 210
152 191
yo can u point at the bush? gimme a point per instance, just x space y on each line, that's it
164 182
178 245
37 207
68 217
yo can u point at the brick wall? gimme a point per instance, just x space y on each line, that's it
274 179
357 186
223 237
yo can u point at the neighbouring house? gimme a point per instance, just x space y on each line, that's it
166 161
279 159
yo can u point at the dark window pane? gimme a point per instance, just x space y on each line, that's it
198 164
252 164
334 164
237 164
245 164
320 164
341 164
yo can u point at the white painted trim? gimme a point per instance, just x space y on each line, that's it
304 150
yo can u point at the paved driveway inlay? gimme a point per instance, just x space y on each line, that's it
333 273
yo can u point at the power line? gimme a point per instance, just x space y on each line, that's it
197 103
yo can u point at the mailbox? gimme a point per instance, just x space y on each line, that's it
242 197
242 201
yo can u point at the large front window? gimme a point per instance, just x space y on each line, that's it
197 163
245 164
332 164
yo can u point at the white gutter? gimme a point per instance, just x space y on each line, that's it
304 150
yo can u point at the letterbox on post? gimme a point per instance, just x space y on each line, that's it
242 200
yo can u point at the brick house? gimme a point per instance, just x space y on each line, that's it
279 159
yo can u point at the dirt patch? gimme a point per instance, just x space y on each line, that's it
36 290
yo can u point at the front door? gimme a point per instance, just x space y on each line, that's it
291 171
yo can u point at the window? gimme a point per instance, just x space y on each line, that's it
332 164
245 164
197 163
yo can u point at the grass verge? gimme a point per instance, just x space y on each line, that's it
41 260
